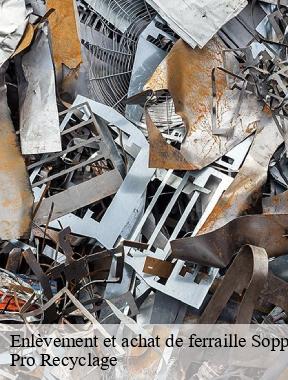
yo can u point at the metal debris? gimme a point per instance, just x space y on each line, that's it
39 131
14 18
156 152
208 18
16 195
182 71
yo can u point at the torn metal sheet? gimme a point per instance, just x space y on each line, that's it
216 248
162 155
14 18
181 73
245 191
16 195
39 122
65 36
66 47
208 17
233 160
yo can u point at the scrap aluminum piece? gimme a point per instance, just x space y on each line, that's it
148 56
239 31
207 18
99 126
100 135
94 189
16 195
175 181
217 248
118 214
39 122
135 139
245 190
126 200
13 21
79 196
177 285
181 72
200 181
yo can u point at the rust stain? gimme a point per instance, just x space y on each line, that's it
162 155
186 73
16 195
66 45
267 109
276 204
189 80
251 127
158 80
244 193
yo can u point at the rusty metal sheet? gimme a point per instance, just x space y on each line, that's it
245 191
276 204
216 248
16 195
161 154
186 73
66 45
250 267
158 267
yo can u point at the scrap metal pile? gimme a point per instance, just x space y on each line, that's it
144 169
